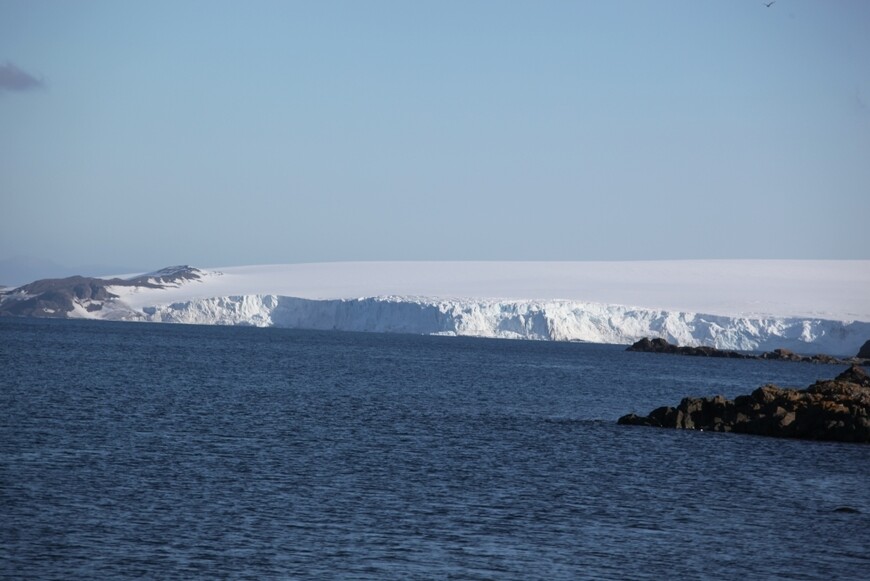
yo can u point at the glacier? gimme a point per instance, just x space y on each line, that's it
808 307
535 320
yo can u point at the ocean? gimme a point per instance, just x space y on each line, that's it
133 450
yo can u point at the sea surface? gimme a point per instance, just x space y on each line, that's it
134 450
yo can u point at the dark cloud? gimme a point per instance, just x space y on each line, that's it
14 79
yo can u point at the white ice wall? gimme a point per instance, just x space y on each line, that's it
542 320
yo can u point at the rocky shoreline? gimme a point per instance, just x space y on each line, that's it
647 345
837 410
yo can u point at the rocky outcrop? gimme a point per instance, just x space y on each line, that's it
786 355
57 297
864 352
171 275
659 345
837 409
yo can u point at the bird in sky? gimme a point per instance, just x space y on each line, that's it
769 4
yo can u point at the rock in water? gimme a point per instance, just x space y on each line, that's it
658 345
837 409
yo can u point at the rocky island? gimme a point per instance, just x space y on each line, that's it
837 409
658 345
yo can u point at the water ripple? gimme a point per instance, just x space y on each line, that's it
196 452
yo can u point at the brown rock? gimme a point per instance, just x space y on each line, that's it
836 409
855 374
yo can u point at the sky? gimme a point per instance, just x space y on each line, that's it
144 134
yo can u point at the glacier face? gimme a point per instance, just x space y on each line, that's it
806 306
554 320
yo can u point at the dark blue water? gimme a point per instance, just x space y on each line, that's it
135 450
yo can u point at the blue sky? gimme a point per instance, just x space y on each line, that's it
224 133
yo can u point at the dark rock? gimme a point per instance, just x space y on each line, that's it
57 297
855 374
837 409
659 345
636 420
828 359
656 345
847 510
782 355
663 415
864 351
168 275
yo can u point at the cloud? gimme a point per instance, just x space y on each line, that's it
14 79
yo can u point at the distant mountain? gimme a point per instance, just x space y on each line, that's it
81 296
23 269
804 306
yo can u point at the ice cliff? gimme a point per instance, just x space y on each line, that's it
540 320
806 306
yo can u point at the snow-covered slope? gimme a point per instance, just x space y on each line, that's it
830 289
806 306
